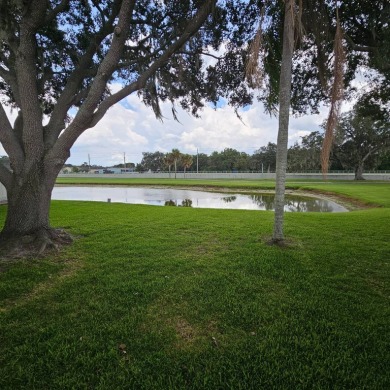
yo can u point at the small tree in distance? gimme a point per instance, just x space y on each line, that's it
169 161
360 140
186 160
176 155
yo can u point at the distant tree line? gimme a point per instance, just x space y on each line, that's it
362 141
228 160
302 157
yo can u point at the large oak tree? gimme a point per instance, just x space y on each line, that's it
57 59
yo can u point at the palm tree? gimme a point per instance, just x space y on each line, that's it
284 115
168 161
176 155
293 10
285 103
186 160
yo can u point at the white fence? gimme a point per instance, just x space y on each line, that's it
3 194
232 175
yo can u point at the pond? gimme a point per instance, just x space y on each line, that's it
191 198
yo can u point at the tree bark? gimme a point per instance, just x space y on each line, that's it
359 171
284 114
28 208
27 227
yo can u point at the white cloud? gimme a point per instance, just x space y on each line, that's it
131 128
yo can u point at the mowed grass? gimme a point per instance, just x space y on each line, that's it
178 298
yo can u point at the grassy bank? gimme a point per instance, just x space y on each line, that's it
180 298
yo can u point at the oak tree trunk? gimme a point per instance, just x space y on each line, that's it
28 205
27 228
359 171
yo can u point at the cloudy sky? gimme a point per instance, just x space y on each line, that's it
130 128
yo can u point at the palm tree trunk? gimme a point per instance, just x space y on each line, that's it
284 113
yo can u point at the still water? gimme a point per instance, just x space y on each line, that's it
190 198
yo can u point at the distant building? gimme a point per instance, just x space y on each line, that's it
66 170
121 170
111 170
96 170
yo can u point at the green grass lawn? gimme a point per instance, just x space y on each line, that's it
179 298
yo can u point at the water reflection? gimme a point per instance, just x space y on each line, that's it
229 199
295 204
316 205
184 203
190 198
263 201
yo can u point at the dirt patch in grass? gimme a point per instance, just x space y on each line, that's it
188 335
184 330
209 247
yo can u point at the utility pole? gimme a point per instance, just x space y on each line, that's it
89 162
124 160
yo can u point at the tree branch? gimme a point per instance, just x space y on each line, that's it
361 48
87 116
56 123
56 10
191 29
97 6
105 71
202 53
26 75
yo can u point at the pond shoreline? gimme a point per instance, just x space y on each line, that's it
349 203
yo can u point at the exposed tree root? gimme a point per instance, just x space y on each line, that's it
35 244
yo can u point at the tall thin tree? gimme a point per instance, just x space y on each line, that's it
284 115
